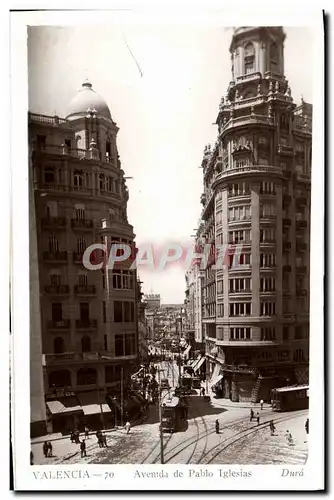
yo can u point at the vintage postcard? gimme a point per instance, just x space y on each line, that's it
168 181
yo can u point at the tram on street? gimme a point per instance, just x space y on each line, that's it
290 398
173 414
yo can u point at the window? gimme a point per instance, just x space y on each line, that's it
285 333
57 312
119 350
298 355
220 310
108 148
239 285
49 176
52 209
105 342
85 344
102 182
240 236
284 124
240 309
267 260
239 189
58 345
249 58
267 284
267 235
117 279
80 212
60 378
299 334
240 333
55 279
41 141
267 187
83 280
220 286
81 245
118 313
268 309
86 376
104 312
283 355
78 178
267 210
268 334
109 374
239 213
245 259
84 311
263 140
53 244
68 143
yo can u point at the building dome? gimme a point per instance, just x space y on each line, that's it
87 99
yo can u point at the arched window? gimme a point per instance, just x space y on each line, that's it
86 376
85 344
78 178
58 345
249 56
60 378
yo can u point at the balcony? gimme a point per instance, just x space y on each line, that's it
301 224
301 269
85 290
301 292
53 222
82 224
78 257
286 269
286 222
70 357
286 246
55 257
301 247
86 324
57 290
62 325
249 77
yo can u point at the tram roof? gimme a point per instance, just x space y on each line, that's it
291 388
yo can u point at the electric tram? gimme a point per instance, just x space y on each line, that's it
288 398
174 414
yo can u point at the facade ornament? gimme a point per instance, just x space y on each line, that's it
270 86
252 110
288 92
221 104
276 87
270 111
236 95
232 113
258 89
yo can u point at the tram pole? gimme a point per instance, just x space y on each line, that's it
160 426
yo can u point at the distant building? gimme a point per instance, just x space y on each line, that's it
152 300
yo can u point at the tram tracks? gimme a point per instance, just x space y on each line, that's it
231 440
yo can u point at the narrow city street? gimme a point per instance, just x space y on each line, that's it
238 442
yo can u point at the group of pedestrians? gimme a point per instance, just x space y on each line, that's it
253 416
101 439
47 449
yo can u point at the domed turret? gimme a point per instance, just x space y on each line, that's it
87 100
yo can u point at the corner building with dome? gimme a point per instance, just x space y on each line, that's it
257 193
88 319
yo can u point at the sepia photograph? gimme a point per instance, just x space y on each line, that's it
169 184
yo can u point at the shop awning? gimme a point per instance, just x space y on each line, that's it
94 409
58 407
194 363
215 375
216 380
199 364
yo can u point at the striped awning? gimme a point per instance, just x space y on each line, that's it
199 364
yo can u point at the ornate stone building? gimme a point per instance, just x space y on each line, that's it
88 318
257 193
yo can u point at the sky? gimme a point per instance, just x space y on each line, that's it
163 85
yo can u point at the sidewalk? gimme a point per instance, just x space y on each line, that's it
58 436
64 449
227 403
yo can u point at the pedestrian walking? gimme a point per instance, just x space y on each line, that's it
251 415
83 448
49 449
31 458
289 438
127 427
261 404
104 438
45 449
258 418
72 437
217 426
307 426
272 427
86 432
